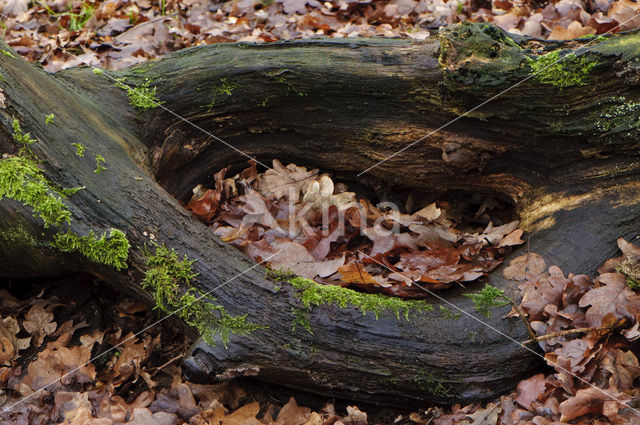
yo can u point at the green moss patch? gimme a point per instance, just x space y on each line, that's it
562 71
111 249
167 276
312 293
141 97
22 180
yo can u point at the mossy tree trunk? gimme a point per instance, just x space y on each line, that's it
562 147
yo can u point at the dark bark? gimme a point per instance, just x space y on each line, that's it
567 158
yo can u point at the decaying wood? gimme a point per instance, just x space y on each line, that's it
567 158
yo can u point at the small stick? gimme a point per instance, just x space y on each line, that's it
159 368
572 331
523 317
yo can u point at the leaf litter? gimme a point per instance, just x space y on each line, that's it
587 327
137 383
304 223
116 34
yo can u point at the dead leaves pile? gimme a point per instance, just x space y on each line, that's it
596 371
115 34
299 220
56 366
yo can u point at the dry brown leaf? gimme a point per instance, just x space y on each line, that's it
574 30
74 407
512 239
431 212
246 415
291 414
10 344
613 298
526 266
590 400
39 322
355 416
144 416
530 390
60 366
14 8
132 356
354 272
287 181
542 291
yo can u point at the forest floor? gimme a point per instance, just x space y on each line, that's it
115 34
73 351
79 334
104 374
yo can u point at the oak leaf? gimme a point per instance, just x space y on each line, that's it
613 298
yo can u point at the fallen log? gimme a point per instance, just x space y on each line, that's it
561 146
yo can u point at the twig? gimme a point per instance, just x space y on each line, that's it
523 317
159 368
572 331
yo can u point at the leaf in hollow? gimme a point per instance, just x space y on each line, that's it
246 415
144 416
62 365
133 355
614 298
320 195
530 390
257 207
494 235
424 261
431 212
14 8
512 239
385 240
483 416
286 181
355 416
526 266
295 257
629 250
575 289
404 220
74 407
315 268
65 333
354 272
205 206
250 174
454 273
434 234
319 240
